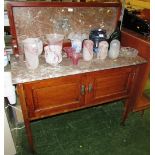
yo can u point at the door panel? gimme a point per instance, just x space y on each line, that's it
54 96
110 84
58 94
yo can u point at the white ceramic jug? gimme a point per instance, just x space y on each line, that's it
114 49
32 47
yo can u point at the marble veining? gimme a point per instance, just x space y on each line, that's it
39 21
20 74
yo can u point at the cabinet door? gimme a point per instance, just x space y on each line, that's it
109 85
52 96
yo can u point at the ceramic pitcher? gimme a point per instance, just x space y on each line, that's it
114 49
88 50
52 57
32 48
102 50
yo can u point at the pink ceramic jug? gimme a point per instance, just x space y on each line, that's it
52 57
102 50
88 50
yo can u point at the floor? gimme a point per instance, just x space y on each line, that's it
92 131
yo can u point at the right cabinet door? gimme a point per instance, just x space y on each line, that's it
109 85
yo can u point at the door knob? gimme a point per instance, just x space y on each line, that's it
82 89
90 88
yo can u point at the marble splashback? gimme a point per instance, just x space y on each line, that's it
39 21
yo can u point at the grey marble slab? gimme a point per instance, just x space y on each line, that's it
20 73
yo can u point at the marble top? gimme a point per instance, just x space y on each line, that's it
20 73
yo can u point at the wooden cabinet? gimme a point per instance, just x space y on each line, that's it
58 95
43 98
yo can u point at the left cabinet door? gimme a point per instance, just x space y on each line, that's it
53 96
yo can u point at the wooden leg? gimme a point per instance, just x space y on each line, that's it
125 113
29 135
20 92
132 97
